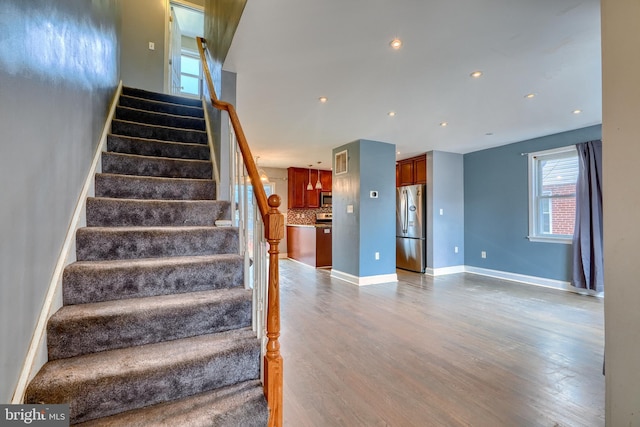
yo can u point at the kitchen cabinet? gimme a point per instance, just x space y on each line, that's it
313 196
325 180
411 171
310 244
297 187
298 195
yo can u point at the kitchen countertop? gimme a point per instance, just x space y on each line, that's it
309 225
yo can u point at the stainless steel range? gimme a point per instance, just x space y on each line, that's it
324 218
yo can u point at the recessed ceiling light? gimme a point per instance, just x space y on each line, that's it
396 44
577 111
530 95
391 113
323 99
443 124
476 74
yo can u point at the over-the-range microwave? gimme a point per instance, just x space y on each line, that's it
325 198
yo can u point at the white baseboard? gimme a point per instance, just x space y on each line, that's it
445 270
514 277
522 278
364 280
37 352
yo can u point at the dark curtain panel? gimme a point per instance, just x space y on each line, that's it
588 268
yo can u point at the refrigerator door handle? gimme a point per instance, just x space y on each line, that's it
405 220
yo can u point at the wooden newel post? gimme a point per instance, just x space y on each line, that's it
273 376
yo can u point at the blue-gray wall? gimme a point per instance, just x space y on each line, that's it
496 209
143 21
59 68
371 226
445 191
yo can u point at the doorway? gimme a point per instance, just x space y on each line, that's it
186 22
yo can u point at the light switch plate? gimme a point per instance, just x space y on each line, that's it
152 46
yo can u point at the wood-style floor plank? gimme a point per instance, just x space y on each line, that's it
456 350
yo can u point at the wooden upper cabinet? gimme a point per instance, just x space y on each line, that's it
299 196
297 187
411 171
405 172
420 169
325 180
313 196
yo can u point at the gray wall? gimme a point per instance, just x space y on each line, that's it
371 226
51 116
621 197
445 190
221 18
496 209
345 190
143 21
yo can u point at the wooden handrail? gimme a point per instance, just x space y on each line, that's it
274 232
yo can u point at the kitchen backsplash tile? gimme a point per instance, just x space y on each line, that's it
304 216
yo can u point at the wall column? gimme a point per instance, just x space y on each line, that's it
621 153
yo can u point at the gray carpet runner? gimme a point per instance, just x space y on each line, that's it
155 328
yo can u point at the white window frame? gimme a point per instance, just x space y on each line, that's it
533 198
194 55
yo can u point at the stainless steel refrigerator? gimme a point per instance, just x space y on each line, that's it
411 227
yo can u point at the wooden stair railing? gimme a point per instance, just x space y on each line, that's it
274 232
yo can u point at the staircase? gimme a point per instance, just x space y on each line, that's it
155 328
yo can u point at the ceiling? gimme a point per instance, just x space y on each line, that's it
288 53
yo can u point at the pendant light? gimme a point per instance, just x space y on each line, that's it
309 186
263 175
318 183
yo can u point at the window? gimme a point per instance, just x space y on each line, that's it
552 194
190 73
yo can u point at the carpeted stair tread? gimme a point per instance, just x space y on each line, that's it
157 148
173 99
96 281
106 383
164 133
160 119
155 327
106 243
239 405
115 212
87 328
143 187
160 106
131 164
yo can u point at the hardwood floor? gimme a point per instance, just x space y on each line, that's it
456 350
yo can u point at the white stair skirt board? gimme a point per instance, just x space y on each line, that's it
365 280
445 270
37 353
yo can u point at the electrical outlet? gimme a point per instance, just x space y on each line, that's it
455 249
377 256
483 254
441 211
